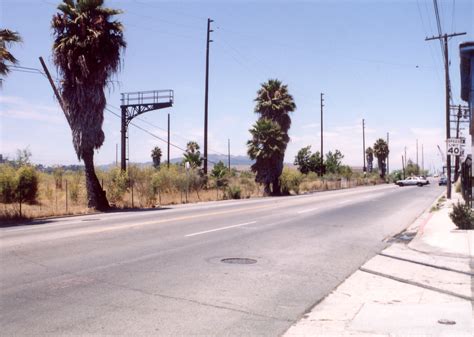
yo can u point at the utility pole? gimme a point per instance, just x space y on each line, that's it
456 161
422 159
417 166
405 163
55 90
403 166
388 155
363 145
228 153
445 37
322 153
168 141
116 154
206 100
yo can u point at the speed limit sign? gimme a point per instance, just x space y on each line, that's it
454 146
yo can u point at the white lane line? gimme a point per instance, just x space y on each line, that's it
220 229
308 210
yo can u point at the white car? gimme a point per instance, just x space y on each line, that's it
411 181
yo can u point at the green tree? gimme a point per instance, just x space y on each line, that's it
412 169
7 37
333 161
273 102
219 173
156 157
381 152
26 184
307 161
369 155
265 147
86 51
7 183
193 155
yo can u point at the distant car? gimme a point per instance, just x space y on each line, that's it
443 181
412 181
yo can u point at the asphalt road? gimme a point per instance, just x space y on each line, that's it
160 272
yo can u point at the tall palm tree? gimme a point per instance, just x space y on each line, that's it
266 147
86 51
275 103
381 151
7 37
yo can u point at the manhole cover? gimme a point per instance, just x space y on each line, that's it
92 219
239 260
446 321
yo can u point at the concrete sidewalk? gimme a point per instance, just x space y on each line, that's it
421 285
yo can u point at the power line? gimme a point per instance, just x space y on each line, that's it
152 134
165 130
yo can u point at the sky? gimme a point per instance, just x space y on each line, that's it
368 57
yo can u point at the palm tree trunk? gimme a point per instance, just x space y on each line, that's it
276 187
381 170
95 194
266 190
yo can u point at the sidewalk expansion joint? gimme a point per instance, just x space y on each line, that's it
427 264
416 284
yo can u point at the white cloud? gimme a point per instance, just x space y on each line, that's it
18 108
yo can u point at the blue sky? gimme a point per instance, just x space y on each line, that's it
368 57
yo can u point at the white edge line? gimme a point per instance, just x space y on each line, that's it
220 229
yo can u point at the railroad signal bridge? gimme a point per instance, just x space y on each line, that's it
134 104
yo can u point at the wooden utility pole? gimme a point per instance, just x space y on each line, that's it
206 94
417 166
422 159
168 141
403 166
445 37
388 155
456 161
228 153
322 153
55 90
364 168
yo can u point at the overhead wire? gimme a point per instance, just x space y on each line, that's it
153 134
165 130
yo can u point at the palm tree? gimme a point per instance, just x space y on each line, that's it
193 155
275 103
86 51
156 156
381 152
369 155
7 37
267 147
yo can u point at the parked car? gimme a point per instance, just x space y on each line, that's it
412 181
443 181
425 179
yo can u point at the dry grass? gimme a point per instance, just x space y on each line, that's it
54 201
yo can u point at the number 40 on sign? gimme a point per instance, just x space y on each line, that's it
454 146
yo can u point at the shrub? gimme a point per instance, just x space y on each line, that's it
234 192
7 183
26 184
290 180
462 216
74 186
117 184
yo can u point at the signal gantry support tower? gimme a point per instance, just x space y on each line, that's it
137 103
